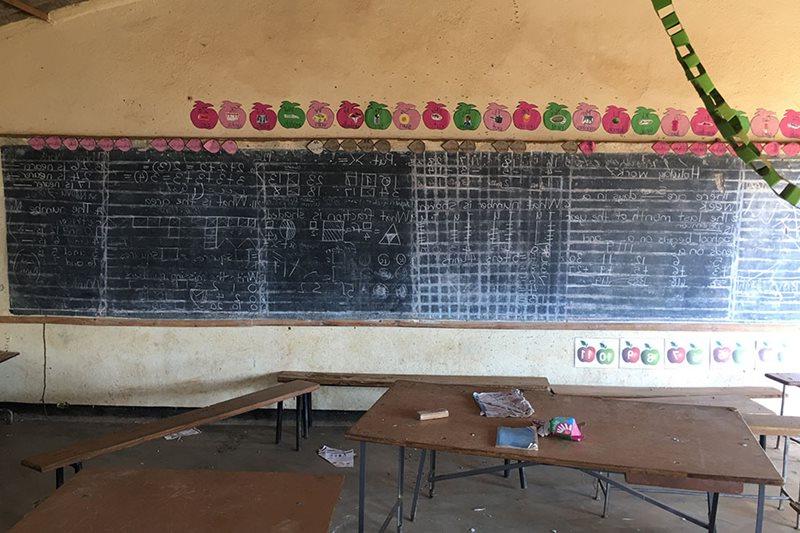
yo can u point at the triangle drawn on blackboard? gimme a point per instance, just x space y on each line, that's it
391 237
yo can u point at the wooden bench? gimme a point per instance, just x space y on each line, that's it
5 356
604 391
75 454
343 379
773 425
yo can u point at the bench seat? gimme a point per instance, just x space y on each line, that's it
773 425
340 379
655 392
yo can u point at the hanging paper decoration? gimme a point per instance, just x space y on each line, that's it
263 117
699 149
406 116
349 115
71 144
680 148
616 120
645 121
160 145
791 149
53 142
772 149
37 143
105 145
496 117
675 123
194 145
587 147
718 148
586 117
466 117
377 116
743 120
177 144
88 144
230 147
320 115
556 117
436 116
526 116
211 146
203 115
790 124
661 148
764 123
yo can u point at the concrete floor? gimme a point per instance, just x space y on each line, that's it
556 499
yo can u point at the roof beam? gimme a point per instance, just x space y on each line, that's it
29 9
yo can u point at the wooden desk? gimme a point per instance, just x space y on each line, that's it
340 379
187 500
745 406
5 356
791 379
680 441
607 391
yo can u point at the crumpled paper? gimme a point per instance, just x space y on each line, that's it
503 404
336 457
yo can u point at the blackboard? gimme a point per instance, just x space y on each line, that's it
477 236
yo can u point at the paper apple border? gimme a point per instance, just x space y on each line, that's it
641 353
732 353
495 117
774 354
596 352
686 353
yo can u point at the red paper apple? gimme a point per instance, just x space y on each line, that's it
676 354
526 116
616 120
231 115
631 354
764 123
496 117
319 115
203 115
698 149
702 123
722 354
349 115
406 116
586 353
586 117
675 123
435 116
263 117
790 124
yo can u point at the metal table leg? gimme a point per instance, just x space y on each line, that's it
783 402
304 412
523 481
401 464
506 473
713 505
59 477
279 423
298 406
786 442
310 411
362 483
420 470
432 474
760 509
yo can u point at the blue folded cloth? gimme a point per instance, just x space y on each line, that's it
520 438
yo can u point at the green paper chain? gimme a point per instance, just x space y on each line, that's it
726 119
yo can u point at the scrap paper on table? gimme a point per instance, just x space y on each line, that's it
336 457
503 404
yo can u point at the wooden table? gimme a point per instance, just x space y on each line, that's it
187 500
744 405
5 356
679 441
608 391
347 379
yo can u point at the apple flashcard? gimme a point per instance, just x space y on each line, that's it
643 353
773 354
688 353
596 353
732 353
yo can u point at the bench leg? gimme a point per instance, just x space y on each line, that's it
77 467
279 423
786 442
59 477
783 402
506 473
432 474
420 470
523 481
362 484
305 416
762 440
310 411
713 502
298 407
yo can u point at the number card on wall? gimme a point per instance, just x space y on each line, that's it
598 353
642 353
690 353
731 353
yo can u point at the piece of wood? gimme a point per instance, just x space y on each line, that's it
773 425
790 379
432 414
620 436
702 485
396 323
644 392
195 501
741 403
5 356
87 449
29 9
345 379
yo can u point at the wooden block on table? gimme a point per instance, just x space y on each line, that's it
432 414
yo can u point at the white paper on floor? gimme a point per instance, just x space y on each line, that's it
183 433
338 458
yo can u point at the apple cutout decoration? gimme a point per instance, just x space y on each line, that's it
616 120
37 143
263 117
772 149
676 354
203 115
790 124
791 149
160 145
53 142
605 355
739 356
586 117
675 123
694 355
106 145
586 353
661 148
211 146
645 121
349 115
718 148
406 116
466 117
702 123
194 145
496 117
71 144
631 354
680 148
290 115
435 116
650 356
768 353
745 122
319 115
526 116
556 117
231 115
229 147
88 144
698 149
722 354
764 123
587 147
377 116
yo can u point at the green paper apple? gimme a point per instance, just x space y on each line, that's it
739 356
556 117
605 355
743 119
694 355
290 115
645 121
466 117
650 356
377 116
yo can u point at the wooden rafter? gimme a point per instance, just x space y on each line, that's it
29 9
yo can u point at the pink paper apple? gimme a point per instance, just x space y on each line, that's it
772 149
791 149
105 145
496 117
320 115
194 145
406 116
53 142
160 145
616 120
587 147
675 123
764 123
37 143
88 144
177 144
586 117
123 144
718 148
211 146
231 115
230 147
698 149
71 144
790 124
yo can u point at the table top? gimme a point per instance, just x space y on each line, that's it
187 500
744 405
789 378
613 391
620 436
343 379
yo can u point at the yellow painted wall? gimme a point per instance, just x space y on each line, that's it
132 68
